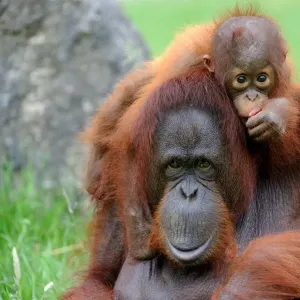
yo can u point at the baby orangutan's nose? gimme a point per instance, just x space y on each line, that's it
252 95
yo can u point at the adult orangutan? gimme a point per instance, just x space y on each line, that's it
228 41
174 156
182 153
141 217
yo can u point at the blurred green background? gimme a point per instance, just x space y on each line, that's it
46 233
158 20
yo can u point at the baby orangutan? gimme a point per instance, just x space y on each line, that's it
249 58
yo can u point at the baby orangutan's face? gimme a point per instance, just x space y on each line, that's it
249 90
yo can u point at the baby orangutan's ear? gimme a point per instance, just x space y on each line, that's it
208 63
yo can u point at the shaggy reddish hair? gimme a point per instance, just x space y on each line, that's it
199 89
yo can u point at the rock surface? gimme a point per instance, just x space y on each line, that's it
58 61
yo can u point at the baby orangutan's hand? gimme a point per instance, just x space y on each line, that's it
269 123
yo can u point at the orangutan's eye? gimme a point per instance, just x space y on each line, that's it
203 165
262 77
175 164
241 79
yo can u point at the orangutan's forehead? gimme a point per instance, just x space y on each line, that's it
250 54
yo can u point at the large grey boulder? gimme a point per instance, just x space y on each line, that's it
58 61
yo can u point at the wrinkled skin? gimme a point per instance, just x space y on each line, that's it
191 218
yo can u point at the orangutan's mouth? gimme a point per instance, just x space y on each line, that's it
189 255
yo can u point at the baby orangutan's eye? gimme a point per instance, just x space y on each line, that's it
263 81
240 82
241 79
262 78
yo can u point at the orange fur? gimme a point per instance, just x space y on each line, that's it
268 269
92 290
185 52
102 126
109 137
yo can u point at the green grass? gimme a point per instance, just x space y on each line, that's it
37 222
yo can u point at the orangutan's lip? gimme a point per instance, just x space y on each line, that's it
190 255
254 112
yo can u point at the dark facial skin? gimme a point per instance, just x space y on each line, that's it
187 154
189 159
269 211
249 77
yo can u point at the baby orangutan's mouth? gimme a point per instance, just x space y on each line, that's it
254 112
